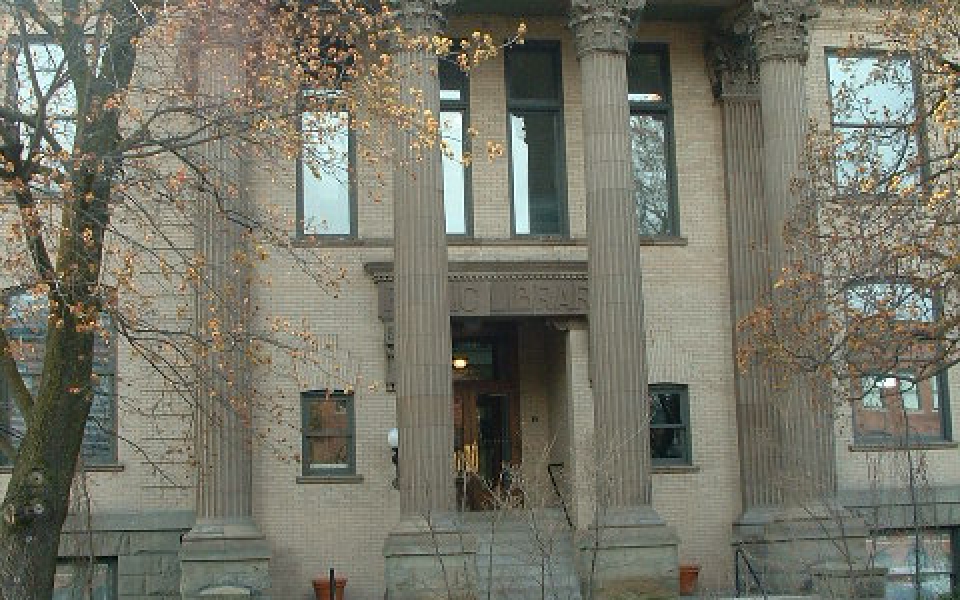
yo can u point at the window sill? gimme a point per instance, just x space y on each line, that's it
663 240
894 447
330 479
118 468
671 469
519 241
322 241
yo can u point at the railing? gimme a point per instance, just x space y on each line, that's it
738 554
556 489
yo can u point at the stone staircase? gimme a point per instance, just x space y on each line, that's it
524 555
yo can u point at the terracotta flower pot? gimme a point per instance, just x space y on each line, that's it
688 579
321 587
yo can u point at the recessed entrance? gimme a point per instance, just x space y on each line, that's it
487 433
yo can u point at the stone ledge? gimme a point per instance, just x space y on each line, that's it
117 468
330 479
670 469
867 447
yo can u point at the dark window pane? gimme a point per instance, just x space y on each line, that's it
328 453
474 361
453 82
892 408
25 322
532 75
645 80
454 172
650 177
534 147
328 414
668 445
84 580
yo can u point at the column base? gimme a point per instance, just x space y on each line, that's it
629 554
224 558
427 560
820 550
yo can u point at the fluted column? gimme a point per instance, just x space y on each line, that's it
737 88
225 546
424 377
617 342
779 29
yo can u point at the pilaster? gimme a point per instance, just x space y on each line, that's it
224 549
628 548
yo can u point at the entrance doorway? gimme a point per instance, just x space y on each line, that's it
487 439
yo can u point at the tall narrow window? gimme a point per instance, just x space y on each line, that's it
25 322
324 190
454 104
328 433
670 424
651 140
51 85
535 107
873 101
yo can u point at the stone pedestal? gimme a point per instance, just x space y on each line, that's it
433 560
806 551
224 558
630 554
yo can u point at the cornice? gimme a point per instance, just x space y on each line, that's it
603 25
495 271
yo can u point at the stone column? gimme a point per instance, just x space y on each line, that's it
780 33
737 88
426 556
798 536
225 550
632 550
421 305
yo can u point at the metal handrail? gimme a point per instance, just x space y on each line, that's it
740 552
556 489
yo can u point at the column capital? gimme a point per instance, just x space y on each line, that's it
780 28
603 25
420 17
732 66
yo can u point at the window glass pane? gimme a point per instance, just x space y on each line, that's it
871 89
25 322
871 155
668 444
899 300
47 61
901 552
534 157
83 580
894 406
474 361
454 172
872 393
645 81
328 414
667 408
532 75
326 173
909 395
331 452
453 82
648 140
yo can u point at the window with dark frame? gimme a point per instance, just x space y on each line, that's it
454 123
325 198
651 140
873 113
94 579
328 433
535 135
670 424
891 404
25 322
49 66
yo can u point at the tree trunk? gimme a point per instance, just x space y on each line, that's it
38 494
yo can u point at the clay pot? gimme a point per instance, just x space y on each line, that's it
688 579
321 587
